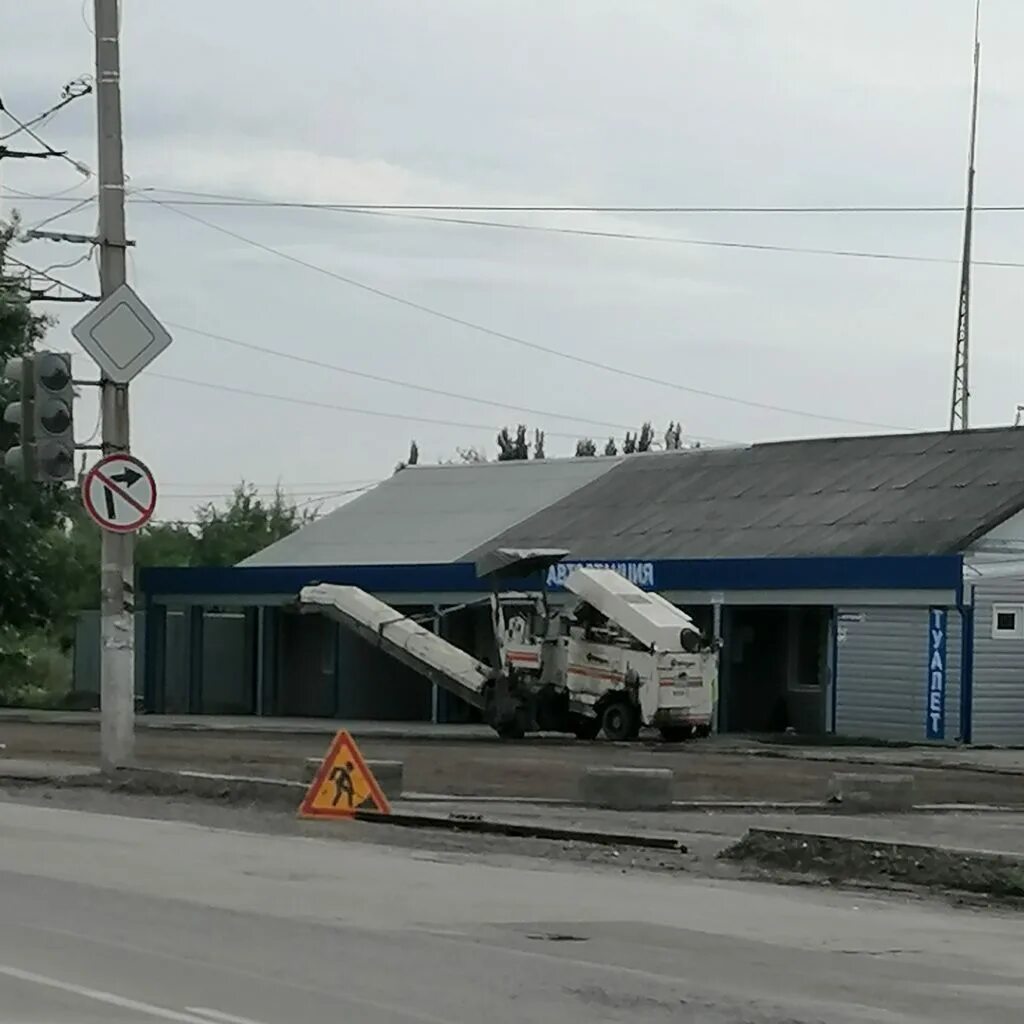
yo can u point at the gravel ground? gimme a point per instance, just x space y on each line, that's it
494 767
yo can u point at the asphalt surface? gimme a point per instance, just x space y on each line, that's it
108 918
487 766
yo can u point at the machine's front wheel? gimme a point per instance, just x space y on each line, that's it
512 729
619 720
702 731
676 733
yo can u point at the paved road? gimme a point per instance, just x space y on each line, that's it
114 919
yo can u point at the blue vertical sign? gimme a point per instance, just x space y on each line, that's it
935 714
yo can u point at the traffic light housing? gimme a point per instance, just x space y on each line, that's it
19 459
53 404
44 417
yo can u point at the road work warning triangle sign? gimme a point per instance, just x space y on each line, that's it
343 784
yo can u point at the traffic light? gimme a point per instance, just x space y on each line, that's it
53 404
19 459
44 416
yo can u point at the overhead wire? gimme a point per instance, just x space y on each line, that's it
265 485
696 242
398 212
84 258
287 491
312 403
63 213
49 277
226 199
309 361
47 148
515 339
84 87
304 503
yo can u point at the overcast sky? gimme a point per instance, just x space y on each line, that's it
536 102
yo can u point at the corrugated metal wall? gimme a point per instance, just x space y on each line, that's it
998 669
881 673
227 687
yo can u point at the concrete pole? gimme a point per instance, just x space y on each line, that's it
117 598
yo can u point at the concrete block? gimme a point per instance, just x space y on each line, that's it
627 789
390 775
859 792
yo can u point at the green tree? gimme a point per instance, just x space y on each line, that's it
171 544
512 449
35 667
538 444
224 536
413 458
33 518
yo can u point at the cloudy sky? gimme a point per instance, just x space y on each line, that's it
533 103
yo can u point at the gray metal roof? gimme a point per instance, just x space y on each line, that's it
433 514
909 494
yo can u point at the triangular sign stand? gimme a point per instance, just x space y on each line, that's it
343 784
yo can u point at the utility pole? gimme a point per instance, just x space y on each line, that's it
117 593
960 407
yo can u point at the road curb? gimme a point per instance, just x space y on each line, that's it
210 785
488 826
858 858
288 794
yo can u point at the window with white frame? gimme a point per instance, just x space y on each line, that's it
1008 622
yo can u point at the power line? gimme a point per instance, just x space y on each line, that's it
56 282
61 213
310 403
48 149
264 485
286 493
35 197
672 240
515 339
223 199
394 211
295 357
219 200
305 503
626 235
72 91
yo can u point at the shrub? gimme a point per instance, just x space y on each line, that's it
35 669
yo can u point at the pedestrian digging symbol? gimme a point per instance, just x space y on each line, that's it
343 785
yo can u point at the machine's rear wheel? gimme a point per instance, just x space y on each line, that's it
619 720
586 728
702 731
676 733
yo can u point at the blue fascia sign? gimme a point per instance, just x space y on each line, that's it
935 714
639 573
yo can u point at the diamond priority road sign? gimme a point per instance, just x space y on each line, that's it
122 335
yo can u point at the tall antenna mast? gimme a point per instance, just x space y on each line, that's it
959 413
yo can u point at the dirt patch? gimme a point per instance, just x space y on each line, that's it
499 768
840 859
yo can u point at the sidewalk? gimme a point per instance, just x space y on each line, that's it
259 724
1007 762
